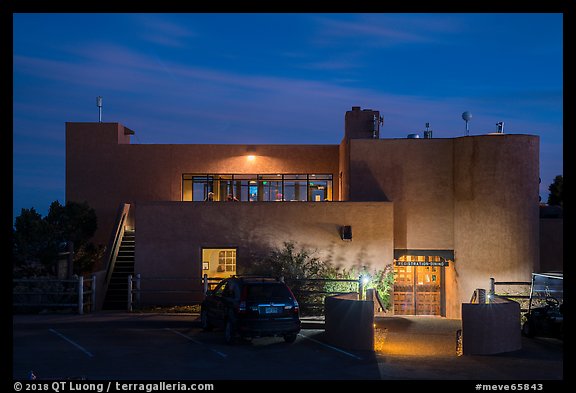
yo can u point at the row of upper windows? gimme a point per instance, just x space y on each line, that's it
252 188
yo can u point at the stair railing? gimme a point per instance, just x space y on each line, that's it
115 241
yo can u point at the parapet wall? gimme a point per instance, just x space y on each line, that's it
349 322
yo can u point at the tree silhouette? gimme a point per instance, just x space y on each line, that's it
555 197
37 239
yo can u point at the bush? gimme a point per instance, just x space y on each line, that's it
298 267
382 280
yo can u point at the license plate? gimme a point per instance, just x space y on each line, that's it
270 310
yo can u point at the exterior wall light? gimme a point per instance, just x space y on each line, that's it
346 233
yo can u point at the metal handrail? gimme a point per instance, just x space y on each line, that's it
115 242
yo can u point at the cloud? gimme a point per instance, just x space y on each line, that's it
385 29
212 101
156 29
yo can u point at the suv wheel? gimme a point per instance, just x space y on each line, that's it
290 338
204 322
229 332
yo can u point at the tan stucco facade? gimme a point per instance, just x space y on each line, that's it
104 169
171 235
475 197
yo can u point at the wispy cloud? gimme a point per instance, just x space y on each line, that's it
157 29
384 29
226 100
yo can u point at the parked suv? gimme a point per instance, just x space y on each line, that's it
249 306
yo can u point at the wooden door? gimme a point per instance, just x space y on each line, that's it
417 289
427 290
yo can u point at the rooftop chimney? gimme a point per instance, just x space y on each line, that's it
362 124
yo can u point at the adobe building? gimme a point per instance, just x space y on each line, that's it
447 213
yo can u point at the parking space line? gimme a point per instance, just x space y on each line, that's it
80 347
196 342
330 346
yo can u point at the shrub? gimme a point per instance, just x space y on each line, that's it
297 267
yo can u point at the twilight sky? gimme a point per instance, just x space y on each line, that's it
278 78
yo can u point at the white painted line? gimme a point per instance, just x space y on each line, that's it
196 341
88 353
331 347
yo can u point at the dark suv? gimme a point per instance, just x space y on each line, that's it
248 306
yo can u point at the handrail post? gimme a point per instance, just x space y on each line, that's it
137 289
205 282
129 293
492 290
93 294
80 295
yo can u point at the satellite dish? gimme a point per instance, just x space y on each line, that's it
467 116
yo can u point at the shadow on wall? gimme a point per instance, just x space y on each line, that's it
366 187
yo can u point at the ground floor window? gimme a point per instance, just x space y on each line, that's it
253 188
219 262
419 285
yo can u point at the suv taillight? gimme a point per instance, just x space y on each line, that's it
296 307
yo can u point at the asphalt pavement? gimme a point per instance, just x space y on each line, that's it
119 345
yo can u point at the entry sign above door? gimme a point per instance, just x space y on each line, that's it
421 263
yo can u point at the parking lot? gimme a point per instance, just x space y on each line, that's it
122 346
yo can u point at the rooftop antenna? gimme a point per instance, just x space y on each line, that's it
467 116
99 105
428 132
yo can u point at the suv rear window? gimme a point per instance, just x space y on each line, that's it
267 292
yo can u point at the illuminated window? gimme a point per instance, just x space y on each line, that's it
227 261
252 188
219 262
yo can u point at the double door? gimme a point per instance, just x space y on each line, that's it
417 290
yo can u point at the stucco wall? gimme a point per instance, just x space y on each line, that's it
551 245
491 328
475 195
344 165
104 169
415 174
176 232
495 209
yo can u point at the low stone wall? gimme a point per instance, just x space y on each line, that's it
491 328
349 322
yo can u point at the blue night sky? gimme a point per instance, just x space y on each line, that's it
278 78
